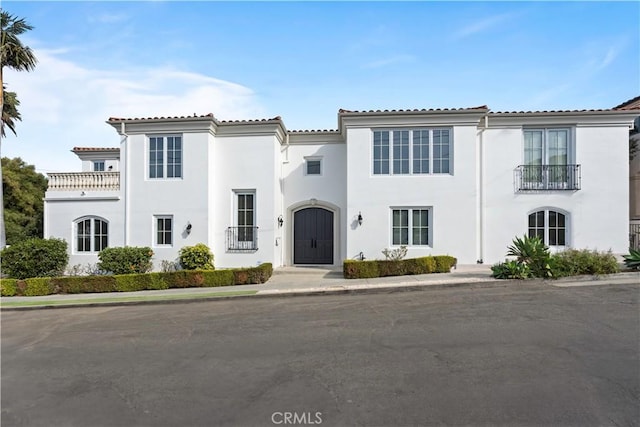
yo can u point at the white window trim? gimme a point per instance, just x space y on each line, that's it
431 158
234 215
410 226
92 234
95 162
155 231
567 227
313 158
165 158
571 158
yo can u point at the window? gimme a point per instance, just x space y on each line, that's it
98 166
412 151
550 226
410 226
244 235
313 166
92 235
547 155
165 157
164 230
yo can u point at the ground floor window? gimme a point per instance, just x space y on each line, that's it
550 226
92 234
411 226
164 230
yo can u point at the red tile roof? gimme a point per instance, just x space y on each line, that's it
128 119
424 110
85 149
632 104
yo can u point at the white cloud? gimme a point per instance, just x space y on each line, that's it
64 105
483 25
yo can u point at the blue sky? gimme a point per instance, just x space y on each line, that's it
304 61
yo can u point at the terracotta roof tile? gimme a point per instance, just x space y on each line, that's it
314 131
121 119
632 104
424 110
85 149
553 111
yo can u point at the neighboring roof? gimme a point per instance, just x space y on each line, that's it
424 110
94 149
632 104
546 112
142 119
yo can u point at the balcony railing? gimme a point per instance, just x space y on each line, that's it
242 239
81 181
548 177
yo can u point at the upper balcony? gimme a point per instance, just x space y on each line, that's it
548 177
84 181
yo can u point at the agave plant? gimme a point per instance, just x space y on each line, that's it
533 252
633 259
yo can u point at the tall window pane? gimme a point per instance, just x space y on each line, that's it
100 235
420 151
441 151
381 152
156 157
420 227
246 217
400 227
164 230
401 152
174 157
84 236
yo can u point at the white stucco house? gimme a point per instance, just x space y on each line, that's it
462 182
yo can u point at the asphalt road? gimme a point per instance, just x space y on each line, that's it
523 355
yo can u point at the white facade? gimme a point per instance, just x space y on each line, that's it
458 182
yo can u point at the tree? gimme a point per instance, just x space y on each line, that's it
10 112
24 190
18 57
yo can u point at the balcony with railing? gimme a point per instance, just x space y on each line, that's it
84 181
548 177
242 239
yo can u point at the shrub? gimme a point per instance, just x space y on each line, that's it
575 262
510 269
139 282
83 284
395 254
444 263
422 265
125 260
534 253
633 259
253 275
34 258
218 278
197 257
38 286
8 287
352 269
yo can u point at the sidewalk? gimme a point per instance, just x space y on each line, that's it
292 281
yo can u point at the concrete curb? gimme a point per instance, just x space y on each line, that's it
631 278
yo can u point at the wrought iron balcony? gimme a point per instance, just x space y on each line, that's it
548 177
78 181
242 239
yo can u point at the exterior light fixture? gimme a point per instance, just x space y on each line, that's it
280 221
359 218
188 228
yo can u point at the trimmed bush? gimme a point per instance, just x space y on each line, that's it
83 284
139 282
34 258
38 286
218 278
125 260
197 257
8 287
354 269
253 275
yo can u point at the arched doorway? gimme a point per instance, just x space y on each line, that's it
313 236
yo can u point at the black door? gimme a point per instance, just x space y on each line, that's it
313 236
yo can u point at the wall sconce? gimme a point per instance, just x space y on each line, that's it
280 221
188 228
359 218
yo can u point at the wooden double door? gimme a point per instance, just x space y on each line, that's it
313 236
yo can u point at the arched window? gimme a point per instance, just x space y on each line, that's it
92 234
550 226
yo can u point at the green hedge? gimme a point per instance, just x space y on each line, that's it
34 258
353 269
135 282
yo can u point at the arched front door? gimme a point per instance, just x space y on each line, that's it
313 236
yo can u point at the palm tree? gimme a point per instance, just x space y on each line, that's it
10 112
18 57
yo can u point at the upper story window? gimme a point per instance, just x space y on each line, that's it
98 166
165 157
412 151
548 154
92 234
313 166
